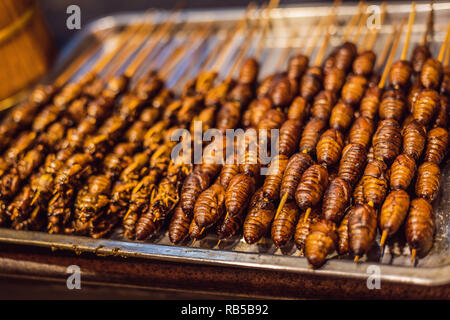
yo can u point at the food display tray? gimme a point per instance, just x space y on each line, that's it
394 266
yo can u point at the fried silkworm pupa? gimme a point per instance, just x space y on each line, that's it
431 73
273 119
387 140
303 228
414 92
442 114
241 93
228 116
229 170
393 213
283 91
353 90
393 105
329 147
292 175
341 117
249 71
311 82
274 177
437 145
178 226
258 110
428 181
298 110
311 187
297 65
414 137
402 172
370 103
265 86
192 187
375 183
409 118
343 241
362 229
210 206
364 63
284 223
334 79
336 200
420 55
400 74
445 83
323 103
321 242
195 232
238 193
419 227
230 226
426 106
361 132
358 193
344 56
258 218
311 134
289 137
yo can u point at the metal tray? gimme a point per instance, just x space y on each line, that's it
395 266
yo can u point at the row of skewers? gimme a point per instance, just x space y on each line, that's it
91 152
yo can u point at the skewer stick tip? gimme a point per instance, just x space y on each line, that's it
413 254
281 205
308 211
356 259
383 238
370 203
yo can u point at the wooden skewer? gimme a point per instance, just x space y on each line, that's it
266 24
413 254
285 52
321 53
352 23
388 45
391 57
315 38
444 44
447 55
412 15
429 26
361 25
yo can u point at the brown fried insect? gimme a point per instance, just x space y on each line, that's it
375 182
283 91
336 200
370 103
445 83
362 229
419 227
353 90
387 140
228 116
393 213
442 113
323 104
298 110
321 241
303 228
238 194
273 119
249 71
393 105
311 82
437 145
334 79
400 74
345 55
230 226
311 187
428 181
431 73
329 147
414 92
364 63
289 137
283 225
341 117
358 193
227 173
297 65
292 175
210 206
361 132
258 110
217 94
343 241
273 180
192 187
259 217
414 137
420 55
402 172
426 106
179 226
311 134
